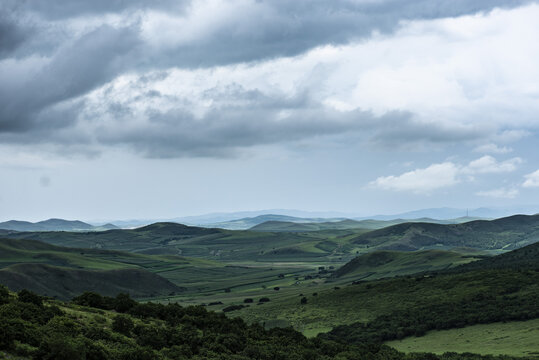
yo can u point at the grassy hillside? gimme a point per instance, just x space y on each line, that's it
296 244
505 233
338 301
194 276
65 283
516 338
96 327
218 244
378 264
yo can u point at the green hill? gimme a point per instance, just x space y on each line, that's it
369 224
208 243
386 263
505 233
249 222
97 327
65 283
279 226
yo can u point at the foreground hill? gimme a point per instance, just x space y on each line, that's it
96 327
505 233
53 225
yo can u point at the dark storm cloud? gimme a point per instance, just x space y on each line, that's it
40 95
61 9
12 34
75 70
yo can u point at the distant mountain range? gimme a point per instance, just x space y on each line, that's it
246 219
53 225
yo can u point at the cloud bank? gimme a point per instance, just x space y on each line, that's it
209 78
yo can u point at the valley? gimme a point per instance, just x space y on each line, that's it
329 282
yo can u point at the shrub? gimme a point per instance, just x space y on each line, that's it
30 297
123 324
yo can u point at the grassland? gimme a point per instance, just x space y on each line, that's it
518 338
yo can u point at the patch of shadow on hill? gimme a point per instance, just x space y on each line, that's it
64 283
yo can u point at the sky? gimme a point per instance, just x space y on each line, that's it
115 109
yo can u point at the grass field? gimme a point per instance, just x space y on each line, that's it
519 338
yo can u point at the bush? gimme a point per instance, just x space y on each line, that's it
4 295
90 299
123 324
30 297
233 308
123 303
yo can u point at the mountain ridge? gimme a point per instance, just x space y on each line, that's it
53 224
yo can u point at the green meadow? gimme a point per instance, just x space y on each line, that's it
516 338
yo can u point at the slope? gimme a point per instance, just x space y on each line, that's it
386 263
505 233
65 283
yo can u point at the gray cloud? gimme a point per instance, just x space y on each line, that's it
61 9
12 34
76 69
289 28
43 103
413 134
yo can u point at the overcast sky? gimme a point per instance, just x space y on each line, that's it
115 109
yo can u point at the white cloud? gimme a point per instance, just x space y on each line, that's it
501 193
487 164
493 149
532 180
446 174
421 180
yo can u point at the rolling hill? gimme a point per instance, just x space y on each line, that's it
500 234
209 243
250 222
67 272
345 224
65 283
386 263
